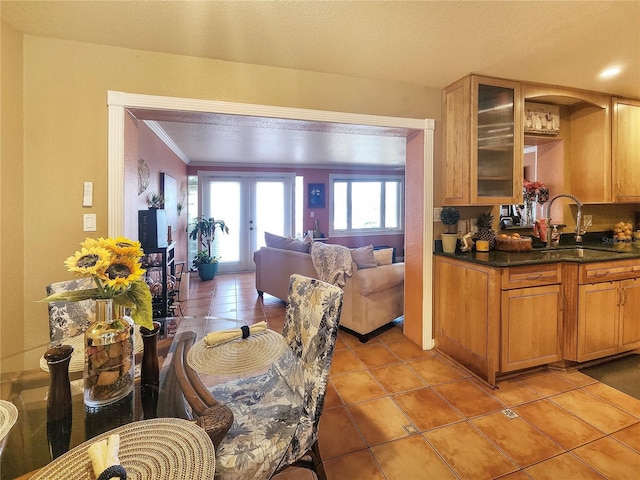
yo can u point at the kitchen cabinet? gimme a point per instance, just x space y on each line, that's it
496 320
585 130
626 150
482 144
608 302
467 315
531 320
530 316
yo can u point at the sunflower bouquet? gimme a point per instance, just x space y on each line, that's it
114 264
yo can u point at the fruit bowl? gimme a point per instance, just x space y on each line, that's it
514 243
622 231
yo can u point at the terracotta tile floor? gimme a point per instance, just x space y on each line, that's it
393 411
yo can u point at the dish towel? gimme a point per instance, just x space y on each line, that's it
223 336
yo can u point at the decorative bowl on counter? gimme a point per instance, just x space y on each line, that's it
513 243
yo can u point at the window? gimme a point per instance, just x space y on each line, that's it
366 204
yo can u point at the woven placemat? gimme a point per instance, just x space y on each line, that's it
77 357
149 449
237 356
8 417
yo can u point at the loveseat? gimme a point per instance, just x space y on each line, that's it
373 297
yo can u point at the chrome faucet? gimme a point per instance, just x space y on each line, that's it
579 231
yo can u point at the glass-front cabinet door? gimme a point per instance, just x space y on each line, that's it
496 169
483 142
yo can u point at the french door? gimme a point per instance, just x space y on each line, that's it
250 205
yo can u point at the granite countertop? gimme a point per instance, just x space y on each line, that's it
600 250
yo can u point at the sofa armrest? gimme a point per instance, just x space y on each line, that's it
274 266
372 280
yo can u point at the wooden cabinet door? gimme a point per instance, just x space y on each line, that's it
482 142
466 315
496 141
531 327
456 143
630 315
598 320
626 150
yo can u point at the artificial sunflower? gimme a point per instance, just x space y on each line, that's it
89 261
121 272
122 246
114 264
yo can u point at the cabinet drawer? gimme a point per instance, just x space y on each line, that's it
531 276
608 271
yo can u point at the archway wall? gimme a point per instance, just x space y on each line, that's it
66 123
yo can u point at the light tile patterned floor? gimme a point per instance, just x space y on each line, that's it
395 412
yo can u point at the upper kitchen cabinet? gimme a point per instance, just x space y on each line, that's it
482 145
626 150
585 133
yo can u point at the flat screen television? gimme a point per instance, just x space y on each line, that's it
152 228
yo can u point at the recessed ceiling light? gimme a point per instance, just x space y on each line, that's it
610 72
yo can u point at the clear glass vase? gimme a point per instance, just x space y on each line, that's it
109 356
527 218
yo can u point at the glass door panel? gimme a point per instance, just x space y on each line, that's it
496 141
250 206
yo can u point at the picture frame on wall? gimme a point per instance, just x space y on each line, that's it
316 195
169 190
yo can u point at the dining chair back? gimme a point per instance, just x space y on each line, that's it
276 415
311 329
179 380
68 319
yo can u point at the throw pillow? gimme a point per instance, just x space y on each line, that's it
364 257
276 241
384 256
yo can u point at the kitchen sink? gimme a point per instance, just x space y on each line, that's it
574 252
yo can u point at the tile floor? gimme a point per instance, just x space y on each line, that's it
395 412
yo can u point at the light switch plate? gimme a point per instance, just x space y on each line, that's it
87 195
89 222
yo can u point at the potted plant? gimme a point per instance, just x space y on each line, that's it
203 229
449 217
155 200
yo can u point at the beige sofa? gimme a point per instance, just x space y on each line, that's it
373 297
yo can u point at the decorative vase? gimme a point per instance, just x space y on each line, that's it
59 409
109 356
527 219
317 233
150 372
449 242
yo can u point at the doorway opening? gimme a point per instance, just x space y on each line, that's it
418 135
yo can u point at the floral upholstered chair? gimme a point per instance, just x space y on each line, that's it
68 319
276 415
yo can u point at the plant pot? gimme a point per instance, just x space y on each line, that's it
449 242
207 271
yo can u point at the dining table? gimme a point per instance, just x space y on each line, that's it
36 440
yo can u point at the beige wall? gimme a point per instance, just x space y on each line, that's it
12 276
65 131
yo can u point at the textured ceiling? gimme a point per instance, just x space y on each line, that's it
426 43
